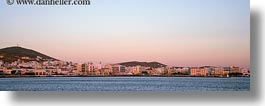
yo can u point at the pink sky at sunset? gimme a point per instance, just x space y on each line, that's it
171 32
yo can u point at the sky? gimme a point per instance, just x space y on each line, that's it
173 32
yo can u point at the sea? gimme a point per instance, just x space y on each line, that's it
125 84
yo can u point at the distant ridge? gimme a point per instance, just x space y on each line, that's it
146 64
11 54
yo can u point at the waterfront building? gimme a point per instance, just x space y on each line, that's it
234 69
2 70
98 65
159 71
52 71
79 68
245 72
84 69
105 72
16 71
181 71
1 62
40 72
7 71
64 71
219 72
118 69
91 67
134 70
198 71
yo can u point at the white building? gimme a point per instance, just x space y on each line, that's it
1 62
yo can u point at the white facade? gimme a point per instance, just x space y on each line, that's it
1 62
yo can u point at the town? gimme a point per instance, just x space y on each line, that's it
23 67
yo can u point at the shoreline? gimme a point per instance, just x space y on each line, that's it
115 76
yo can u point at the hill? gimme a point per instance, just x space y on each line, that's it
146 64
11 54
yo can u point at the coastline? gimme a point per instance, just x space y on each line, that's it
27 76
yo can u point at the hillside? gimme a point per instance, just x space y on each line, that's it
11 54
146 64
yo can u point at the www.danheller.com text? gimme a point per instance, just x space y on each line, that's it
48 2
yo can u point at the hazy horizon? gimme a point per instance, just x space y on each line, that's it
173 32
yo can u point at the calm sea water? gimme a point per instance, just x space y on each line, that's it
124 84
